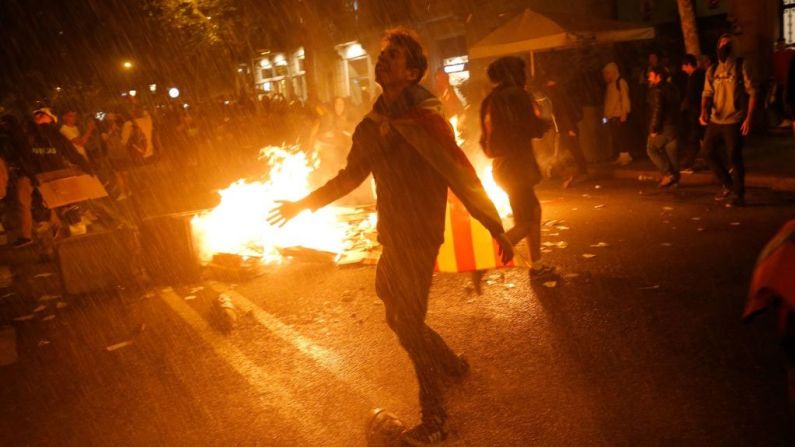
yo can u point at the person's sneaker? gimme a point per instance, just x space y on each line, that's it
22 242
424 434
542 271
667 181
723 194
735 202
477 281
623 159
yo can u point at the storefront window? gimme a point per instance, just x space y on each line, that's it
789 21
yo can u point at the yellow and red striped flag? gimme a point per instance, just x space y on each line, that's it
468 245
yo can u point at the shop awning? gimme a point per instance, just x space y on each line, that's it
534 31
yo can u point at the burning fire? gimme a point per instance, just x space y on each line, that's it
239 225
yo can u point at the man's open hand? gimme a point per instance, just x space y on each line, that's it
283 213
505 248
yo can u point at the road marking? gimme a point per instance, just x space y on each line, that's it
326 358
271 392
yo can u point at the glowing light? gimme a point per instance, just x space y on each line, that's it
239 224
173 92
279 60
133 93
354 50
127 65
152 88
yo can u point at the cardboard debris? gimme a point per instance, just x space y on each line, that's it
43 275
40 308
45 298
588 255
118 346
601 205
550 284
25 317
600 245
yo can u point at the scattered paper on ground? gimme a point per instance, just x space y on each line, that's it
551 284
45 298
601 205
656 286
44 275
24 317
190 297
40 308
117 346
588 255
510 285
600 245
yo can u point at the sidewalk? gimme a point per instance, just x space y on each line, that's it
769 163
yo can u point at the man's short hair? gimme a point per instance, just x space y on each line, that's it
660 71
415 55
690 59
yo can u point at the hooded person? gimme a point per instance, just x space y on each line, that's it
48 150
509 122
617 108
727 107
410 148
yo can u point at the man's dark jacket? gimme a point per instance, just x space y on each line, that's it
663 107
411 192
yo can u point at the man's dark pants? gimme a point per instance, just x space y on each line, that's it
733 141
402 281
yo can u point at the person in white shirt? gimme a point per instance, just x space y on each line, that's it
143 121
70 130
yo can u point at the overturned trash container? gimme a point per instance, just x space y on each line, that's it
169 252
99 260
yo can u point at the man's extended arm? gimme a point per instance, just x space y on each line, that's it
352 175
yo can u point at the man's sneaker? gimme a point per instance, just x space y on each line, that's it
668 180
424 434
723 194
22 242
542 271
735 202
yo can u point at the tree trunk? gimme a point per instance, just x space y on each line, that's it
689 30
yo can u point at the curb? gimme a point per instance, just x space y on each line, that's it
707 178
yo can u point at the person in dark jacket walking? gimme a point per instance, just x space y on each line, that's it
410 149
49 150
508 125
661 143
692 132
568 113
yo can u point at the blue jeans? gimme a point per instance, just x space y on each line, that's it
663 152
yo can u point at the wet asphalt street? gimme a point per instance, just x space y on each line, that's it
638 345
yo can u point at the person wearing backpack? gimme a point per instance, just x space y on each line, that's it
509 122
727 106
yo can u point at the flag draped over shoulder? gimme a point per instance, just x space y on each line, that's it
471 218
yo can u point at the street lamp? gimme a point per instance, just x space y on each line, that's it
173 92
127 65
